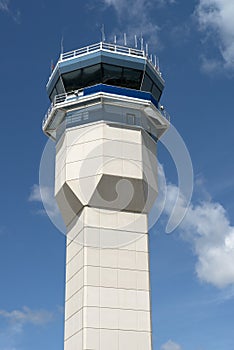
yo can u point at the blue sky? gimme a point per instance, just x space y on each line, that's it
192 269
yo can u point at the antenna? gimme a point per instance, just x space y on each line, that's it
51 66
142 43
125 39
151 57
135 41
158 68
146 49
103 33
155 61
115 39
61 45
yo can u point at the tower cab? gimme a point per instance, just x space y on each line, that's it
107 82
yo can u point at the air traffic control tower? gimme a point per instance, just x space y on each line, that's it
105 119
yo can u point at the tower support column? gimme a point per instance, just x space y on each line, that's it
105 185
107 282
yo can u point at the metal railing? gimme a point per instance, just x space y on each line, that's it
111 48
102 46
58 99
75 95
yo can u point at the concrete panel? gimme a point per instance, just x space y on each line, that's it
112 133
142 280
74 265
90 236
109 238
131 151
143 340
73 324
127 299
74 228
131 135
128 319
81 169
109 318
142 261
143 300
109 277
73 249
142 243
127 259
78 135
112 166
68 204
91 317
91 339
92 256
132 169
92 276
127 279
75 342
92 296
128 340
109 297
74 304
109 339
83 151
60 179
84 187
109 258
92 217
144 321
74 284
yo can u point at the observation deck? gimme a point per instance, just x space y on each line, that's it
116 75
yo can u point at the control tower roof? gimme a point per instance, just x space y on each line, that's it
104 63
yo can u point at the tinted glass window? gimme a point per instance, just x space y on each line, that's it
147 83
109 74
82 77
156 92
112 75
53 94
119 76
91 75
59 87
131 78
72 80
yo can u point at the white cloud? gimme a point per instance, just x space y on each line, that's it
4 5
15 321
137 13
26 316
170 345
215 19
45 194
207 227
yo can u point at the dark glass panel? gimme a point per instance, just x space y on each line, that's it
156 92
59 86
91 75
112 75
147 83
53 94
81 78
131 78
72 80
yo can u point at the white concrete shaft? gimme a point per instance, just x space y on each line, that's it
105 185
107 282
